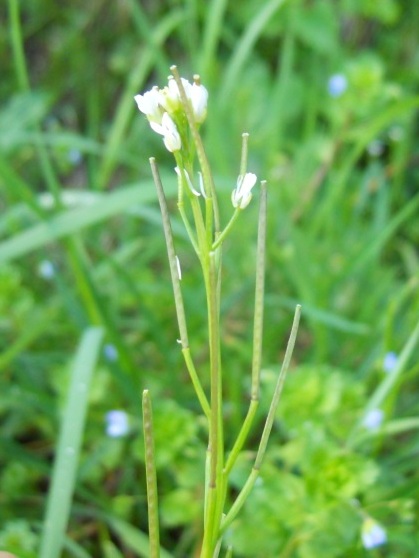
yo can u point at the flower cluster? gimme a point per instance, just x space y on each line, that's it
164 106
175 112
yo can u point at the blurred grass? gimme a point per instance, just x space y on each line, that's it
68 446
343 231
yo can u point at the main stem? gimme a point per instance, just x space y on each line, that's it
215 488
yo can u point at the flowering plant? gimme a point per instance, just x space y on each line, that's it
176 112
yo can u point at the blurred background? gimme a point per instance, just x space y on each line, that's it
328 90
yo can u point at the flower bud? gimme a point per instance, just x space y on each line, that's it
199 100
169 131
242 194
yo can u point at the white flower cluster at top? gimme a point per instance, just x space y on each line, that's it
161 105
165 110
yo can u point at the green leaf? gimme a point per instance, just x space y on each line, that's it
74 220
69 444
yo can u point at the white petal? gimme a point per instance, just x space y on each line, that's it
249 180
188 180
158 128
168 124
149 104
242 194
170 95
169 131
199 100
202 186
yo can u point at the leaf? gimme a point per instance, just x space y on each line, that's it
69 444
74 220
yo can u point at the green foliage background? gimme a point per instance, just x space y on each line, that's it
76 191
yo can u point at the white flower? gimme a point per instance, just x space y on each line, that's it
199 100
373 419
188 180
169 131
373 534
149 104
242 194
169 96
117 424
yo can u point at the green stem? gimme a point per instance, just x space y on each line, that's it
188 228
215 491
216 382
240 500
259 294
17 46
278 389
167 228
257 333
244 493
196 383
242 436
183 187
200 225
202 157
177 292
209 221
151 480
244 153
219 239
222 236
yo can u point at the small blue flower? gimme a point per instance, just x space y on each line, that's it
375 148
390 361
337 85
117 424
372 534
74 156
373 419
46 270
110 352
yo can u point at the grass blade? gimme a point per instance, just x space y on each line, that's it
245 46
68 448
73 220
